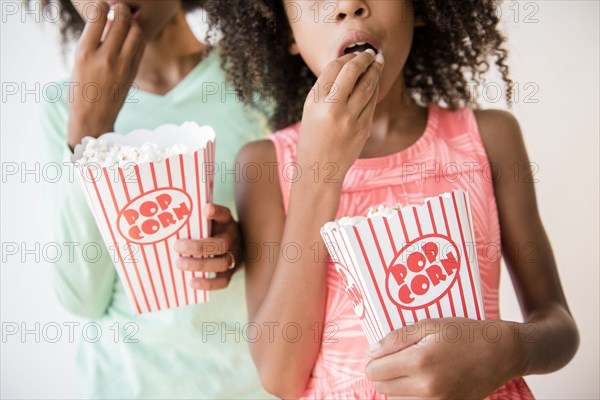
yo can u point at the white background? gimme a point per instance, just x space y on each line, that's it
554 59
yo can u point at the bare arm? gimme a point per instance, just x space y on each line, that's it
283 288
292 289
408 362
554 339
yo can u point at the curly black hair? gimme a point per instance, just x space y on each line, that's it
71 23
449 51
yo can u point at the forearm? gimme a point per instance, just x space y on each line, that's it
297 292
78 128
548 339
81 291
84 278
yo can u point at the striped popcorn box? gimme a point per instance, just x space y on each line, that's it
142 208
403 264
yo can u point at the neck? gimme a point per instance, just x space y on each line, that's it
396 113
170 56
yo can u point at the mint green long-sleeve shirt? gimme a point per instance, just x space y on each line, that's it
197 351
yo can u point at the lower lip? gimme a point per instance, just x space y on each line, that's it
377 51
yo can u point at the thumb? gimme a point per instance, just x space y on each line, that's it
395 341
218 213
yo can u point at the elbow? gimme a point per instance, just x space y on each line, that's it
560 344
84 300
83 310
87 308
282 387
569 335
574 338
86 312
284 382
284 369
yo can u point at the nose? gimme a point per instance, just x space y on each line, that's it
352 8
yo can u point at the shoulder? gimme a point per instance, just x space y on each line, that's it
499 122
501 136
257 166
278 146
260 151
257 188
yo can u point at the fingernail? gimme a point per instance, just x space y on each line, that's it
371 51
178 246
374 347
379 58
210 275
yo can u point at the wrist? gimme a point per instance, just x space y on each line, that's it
318 176
316 192
78 130
319 170
320 200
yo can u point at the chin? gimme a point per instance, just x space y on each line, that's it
385 88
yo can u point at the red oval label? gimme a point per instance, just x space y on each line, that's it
423 271
155 215
352 290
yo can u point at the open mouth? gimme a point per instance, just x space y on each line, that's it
360 47
357 41
134 8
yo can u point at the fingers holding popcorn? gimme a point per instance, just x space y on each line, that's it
221 263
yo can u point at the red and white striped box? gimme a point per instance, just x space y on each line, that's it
414 263
142 209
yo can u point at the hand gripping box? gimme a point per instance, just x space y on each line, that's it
404 264
142 208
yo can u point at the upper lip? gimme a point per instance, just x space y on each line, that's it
353 37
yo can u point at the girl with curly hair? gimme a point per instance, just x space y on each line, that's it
150 70
372 105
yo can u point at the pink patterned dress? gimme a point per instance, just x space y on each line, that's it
448 155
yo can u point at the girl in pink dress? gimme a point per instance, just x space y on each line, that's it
386 121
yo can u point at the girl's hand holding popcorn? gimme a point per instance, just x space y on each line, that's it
435 358
338 113
219 254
